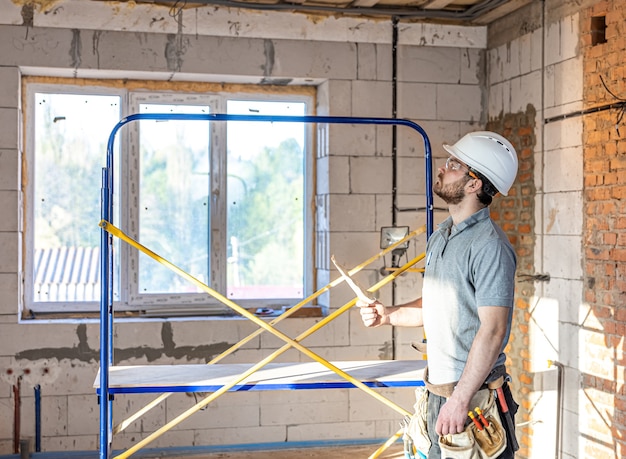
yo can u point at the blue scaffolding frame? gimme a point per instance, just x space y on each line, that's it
106 240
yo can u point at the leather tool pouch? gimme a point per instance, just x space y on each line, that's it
473 443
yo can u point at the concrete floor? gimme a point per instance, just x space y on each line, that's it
360 451
310 451
330 452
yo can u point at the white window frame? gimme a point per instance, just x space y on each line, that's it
30 305
126 140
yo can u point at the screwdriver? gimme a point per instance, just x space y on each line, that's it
480 415
473 418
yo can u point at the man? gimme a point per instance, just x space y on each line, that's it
467 297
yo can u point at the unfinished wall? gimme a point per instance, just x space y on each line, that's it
535 68
350 63
602 318
516 215
529 84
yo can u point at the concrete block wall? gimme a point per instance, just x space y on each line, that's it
351 68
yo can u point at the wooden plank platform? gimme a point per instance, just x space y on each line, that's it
273 376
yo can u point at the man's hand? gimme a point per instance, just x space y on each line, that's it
452 417
372 314
404 315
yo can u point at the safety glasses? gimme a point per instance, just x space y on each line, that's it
453 164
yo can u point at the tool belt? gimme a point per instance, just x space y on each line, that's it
495 378
484 438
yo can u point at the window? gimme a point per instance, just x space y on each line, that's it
224 201
64 169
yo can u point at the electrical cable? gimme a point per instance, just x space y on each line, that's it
534 277
394 156
177 8
621 106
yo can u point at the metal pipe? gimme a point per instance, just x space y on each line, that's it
106 248
17 403
106 311
394 114
37 418
284 119
559 406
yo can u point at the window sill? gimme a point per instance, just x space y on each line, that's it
30 316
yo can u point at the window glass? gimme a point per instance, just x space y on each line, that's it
174 204
265 202
71 132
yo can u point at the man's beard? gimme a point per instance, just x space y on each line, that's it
452 193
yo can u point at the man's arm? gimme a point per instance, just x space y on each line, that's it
484 352
405 315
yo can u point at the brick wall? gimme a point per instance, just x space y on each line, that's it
603 369
515 214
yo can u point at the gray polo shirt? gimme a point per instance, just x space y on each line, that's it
468 266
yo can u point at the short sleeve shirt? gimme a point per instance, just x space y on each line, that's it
468 265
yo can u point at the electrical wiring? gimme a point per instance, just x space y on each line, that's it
534 277
621 106
177 8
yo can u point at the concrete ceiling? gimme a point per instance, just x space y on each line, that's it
460 12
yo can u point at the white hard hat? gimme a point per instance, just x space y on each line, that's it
490 154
